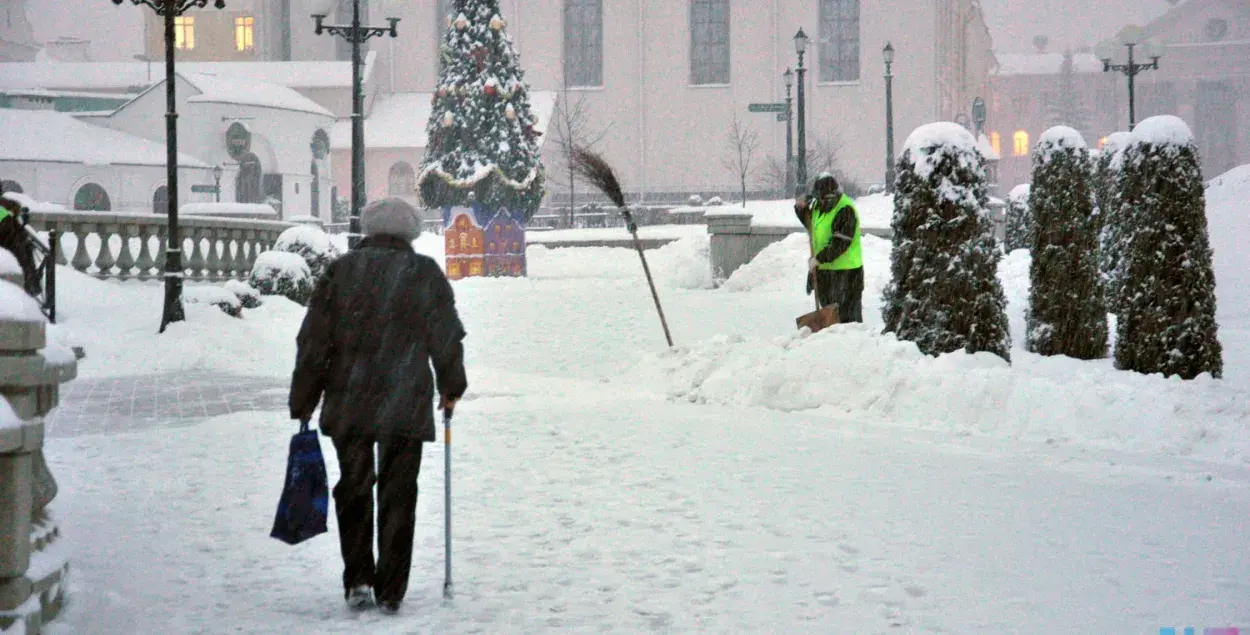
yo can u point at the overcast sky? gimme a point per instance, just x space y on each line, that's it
1068 23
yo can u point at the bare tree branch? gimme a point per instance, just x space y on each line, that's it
572 130
743 143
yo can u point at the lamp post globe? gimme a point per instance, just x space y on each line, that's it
887 53
800 42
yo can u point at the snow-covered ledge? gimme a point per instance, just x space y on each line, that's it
116 245
33 562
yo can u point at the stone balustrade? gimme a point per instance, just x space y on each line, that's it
33 560
125 246
735 241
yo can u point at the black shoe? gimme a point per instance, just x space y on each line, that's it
388 607
358 597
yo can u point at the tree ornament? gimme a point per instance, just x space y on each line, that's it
461 22
490 90
448 119
510 112
496 23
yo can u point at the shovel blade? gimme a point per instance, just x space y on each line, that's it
818 320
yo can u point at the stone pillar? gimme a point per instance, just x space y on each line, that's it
31 370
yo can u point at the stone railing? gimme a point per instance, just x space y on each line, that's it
735 241
112 245
33 559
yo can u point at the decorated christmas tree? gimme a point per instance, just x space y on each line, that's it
482 143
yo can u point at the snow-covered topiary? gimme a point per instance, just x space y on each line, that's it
310 243
1066 315
248 297
282 273
695 201
944 293
216 296
1109 176
715 201
483 136
1167 322
1019 221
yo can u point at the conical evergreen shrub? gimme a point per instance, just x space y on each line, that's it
1167 322
1066 315
1109 178
944 292
1019 220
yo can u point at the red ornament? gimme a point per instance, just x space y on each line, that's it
490 90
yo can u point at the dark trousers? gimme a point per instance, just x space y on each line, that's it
396 477
844 288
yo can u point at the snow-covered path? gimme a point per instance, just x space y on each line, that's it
591 509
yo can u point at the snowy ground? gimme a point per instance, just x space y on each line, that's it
604 484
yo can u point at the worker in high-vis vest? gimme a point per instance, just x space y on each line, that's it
13 238
832 222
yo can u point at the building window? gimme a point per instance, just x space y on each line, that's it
1020 144
996 142
184 32
160 200
402 180
839 40
244 31
1217 29
92 198
583 43
1102 143
709 42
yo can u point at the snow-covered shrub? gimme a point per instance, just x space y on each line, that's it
695 201
282 273
216 296
1167 321
1109 174
944 293
1066 315
310 243
1018 218
248 297
715 201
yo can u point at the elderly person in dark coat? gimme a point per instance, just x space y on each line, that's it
377 321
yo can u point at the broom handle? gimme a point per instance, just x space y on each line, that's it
633 230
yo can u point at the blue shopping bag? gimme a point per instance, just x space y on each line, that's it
305 496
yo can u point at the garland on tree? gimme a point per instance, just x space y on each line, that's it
1167 324
1066 315
482 137
944 292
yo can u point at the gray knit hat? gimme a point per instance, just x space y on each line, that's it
392 216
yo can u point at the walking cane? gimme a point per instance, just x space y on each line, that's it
447 588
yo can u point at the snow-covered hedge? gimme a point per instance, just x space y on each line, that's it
714 202
310 243
695 201
284 274
248 297
216 296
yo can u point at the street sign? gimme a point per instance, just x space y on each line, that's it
783 117
204 189
781 107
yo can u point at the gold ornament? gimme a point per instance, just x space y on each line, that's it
447 120
510 112
496 23
461 22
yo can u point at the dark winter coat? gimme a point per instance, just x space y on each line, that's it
376 321
14 238
844 288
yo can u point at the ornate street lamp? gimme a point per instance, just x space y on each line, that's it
217 172
887 54
1130 37
356 34
788 77
800 47
170 9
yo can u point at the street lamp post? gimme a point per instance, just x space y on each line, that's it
789 80
356 34
1130 37
800 47
170 9
217 172
888 54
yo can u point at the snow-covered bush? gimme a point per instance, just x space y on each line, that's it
248 297
1167 321
282 273
216 296
310 243
715 201
944 292
1066 315
1109 177
1018 218
695 201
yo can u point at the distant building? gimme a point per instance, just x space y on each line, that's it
17 40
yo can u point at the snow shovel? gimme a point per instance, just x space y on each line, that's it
448 592
823 317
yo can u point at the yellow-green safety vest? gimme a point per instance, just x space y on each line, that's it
822 235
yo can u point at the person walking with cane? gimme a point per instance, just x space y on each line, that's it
378 320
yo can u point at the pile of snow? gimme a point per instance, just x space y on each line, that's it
855 369
1020 192
35 207
1163 130
244 210
875 210
685 263
782 267
9 266
17 305
216 296
682 264
1228 219
247 296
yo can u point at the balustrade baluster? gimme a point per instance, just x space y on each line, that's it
82 260
126 261
214 259
196 264
230 264
59 228
104 259
145 262
162 235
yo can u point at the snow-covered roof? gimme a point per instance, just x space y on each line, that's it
31 204
398 120
222 89
1163 130
987 149
114 76
1045 63
43 135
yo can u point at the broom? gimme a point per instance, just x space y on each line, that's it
595 171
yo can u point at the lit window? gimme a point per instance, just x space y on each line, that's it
1020 144
184 32
996 142
244 29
